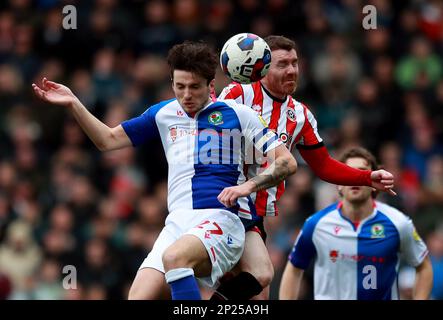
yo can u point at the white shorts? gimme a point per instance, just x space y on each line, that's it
221 232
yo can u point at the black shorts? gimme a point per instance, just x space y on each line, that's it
259 227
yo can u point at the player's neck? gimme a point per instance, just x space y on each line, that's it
274 95
210 100
193 113
357 212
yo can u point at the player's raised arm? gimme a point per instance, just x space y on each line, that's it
104 137
336 172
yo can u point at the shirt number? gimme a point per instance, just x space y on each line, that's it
370 280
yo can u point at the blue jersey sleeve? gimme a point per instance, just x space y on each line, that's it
303 250
144 127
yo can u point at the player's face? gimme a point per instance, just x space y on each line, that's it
191 90
357 194
281 80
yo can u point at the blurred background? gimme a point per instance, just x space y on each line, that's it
64 203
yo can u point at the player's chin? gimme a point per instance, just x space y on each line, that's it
358 196
290 87
189 107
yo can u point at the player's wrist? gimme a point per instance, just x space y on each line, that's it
250 186
73 104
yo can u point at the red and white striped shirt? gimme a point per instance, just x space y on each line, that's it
290 119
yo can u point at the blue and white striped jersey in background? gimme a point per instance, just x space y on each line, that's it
357 263
204 152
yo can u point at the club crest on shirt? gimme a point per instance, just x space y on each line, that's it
215 118
291 114
377 231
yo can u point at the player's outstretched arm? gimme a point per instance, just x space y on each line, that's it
290 282
333 171
104 138
282 165
423 280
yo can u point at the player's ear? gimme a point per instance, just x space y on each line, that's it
172 78
374 193
340 191
212 85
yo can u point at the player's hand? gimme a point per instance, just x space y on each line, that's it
383 180
228 197
54 93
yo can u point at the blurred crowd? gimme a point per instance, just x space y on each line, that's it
63 203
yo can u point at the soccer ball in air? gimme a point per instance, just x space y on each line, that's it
245 58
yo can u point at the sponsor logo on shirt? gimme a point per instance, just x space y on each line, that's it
179 132
284 137
416 236
173 133
333 254
337 229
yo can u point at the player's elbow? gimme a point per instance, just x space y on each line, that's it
101 146
104 146
425 266
264 277
107 142
424 280
291 165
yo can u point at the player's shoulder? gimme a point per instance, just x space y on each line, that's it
154 109
232 91
297 104
313 220
247 117
398 218
234 86
239 108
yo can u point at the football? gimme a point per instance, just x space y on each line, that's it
245 58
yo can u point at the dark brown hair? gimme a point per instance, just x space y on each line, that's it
280 42
195 57
359 152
